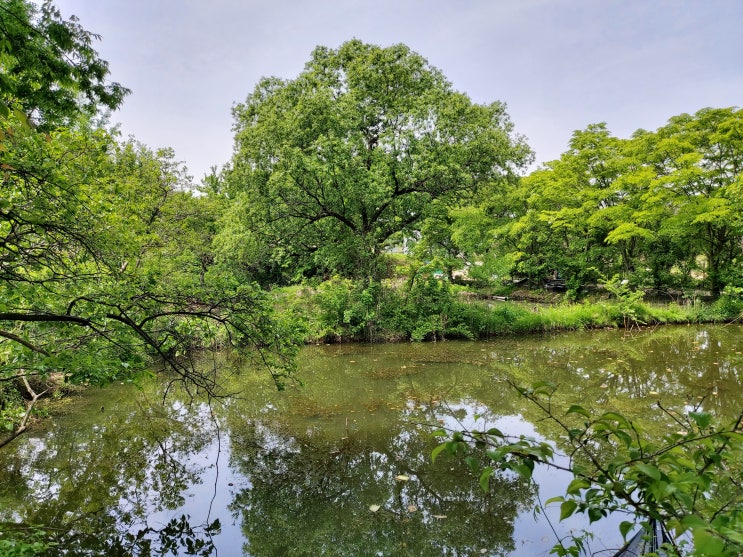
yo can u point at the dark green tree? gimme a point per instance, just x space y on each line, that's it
331 165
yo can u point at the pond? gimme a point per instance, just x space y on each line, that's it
341 465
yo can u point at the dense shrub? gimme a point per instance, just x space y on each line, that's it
429 309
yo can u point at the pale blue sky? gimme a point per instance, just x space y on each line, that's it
560 65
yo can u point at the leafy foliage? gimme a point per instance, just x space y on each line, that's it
103 265
104 259
690 480
175 537
661 210
50 70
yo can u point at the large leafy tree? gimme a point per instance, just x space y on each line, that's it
102 265
697 168
331 165
102 246
564 200
662 208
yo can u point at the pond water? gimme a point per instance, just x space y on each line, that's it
341 465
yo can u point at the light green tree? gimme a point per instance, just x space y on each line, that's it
552 228
661 209
697 166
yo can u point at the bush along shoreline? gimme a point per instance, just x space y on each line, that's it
431 309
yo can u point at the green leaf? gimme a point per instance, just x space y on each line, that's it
472 463
624 437
437 451
567 509
576 485
702 419
625 527
524 469
543 387
693 522
576 409
595 514
735 535
485 478
648 470
614 417
576 432
706 543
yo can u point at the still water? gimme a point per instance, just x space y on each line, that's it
341 465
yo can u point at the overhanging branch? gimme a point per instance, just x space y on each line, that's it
24 342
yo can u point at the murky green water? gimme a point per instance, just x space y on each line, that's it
298 472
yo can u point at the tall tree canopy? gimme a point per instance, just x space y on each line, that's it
332 164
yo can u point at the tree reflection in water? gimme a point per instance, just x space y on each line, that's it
88 488
311 495
303 472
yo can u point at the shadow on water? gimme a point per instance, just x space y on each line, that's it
342 465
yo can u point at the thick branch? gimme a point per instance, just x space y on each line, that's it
24 421
24 342
45 317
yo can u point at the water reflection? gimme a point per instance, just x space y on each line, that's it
94 477
341 466
366 493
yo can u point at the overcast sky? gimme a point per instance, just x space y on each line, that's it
560 65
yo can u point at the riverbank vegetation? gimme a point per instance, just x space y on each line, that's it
351 210
431 309
366 200
104 250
